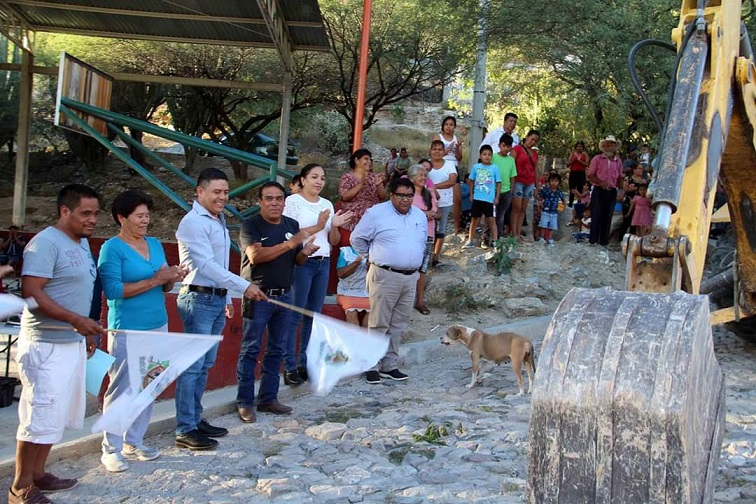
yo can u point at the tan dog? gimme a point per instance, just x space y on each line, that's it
495 348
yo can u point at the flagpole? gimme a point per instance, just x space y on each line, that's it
292 307
133 331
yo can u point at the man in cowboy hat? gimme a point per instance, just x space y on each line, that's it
605 173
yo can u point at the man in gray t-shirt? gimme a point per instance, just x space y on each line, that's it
59 273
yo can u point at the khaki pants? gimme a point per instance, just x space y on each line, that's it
392 296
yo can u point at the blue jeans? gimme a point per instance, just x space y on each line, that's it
277 321
309 291
200 314
119 384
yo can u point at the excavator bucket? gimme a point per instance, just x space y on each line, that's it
629 401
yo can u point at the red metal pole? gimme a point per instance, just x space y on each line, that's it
359 112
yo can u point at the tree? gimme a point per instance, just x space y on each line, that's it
414 47
582 48
9 94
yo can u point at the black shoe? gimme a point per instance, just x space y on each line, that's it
303 374
208 430
372 377
194 440
394 374
292 378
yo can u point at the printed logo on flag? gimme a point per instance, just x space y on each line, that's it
150 369
331 356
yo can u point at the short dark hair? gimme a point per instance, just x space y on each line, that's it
357 155
209 174
12 227
400 182
580 143
510 114
446 119
506 139
437 142
533 132
296 179
270 183
485 147
424 160
309 167
70 196
555 176
125 203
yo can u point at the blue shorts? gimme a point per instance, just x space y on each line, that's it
549 221
523 190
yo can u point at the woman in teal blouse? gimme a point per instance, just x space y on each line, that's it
134 277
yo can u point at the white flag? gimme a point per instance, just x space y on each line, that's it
338 349
155 359
13 305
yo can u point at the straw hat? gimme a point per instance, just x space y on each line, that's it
609 138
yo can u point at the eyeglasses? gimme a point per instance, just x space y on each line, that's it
404 196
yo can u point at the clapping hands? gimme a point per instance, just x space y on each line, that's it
341 217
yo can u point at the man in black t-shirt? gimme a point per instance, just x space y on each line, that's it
271 244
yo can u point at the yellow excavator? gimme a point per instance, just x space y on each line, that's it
629 399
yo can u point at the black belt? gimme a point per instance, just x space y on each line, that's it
275 292
397 270
206 290
318 258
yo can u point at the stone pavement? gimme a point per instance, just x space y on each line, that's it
428 439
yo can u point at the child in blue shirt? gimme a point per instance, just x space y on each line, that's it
485 186
550 196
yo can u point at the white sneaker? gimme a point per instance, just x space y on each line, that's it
141 452
114 462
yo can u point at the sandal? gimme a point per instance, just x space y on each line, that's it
422 309
435 263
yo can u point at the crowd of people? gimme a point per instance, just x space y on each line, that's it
388 232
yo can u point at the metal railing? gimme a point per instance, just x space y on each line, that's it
116 123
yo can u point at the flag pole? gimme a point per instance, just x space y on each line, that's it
292 307
134 331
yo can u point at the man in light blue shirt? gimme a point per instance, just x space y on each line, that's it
204 300
392 236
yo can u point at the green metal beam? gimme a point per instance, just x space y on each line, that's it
182 138
165 164
126 159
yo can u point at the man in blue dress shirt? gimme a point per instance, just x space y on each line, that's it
204 300
392 236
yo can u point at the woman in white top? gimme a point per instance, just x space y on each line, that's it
444 177
453 154
316 217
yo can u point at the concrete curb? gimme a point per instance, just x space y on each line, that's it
223 401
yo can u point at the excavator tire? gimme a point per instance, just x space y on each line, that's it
629 401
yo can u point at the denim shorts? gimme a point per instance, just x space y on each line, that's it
441 222
523 190
549 221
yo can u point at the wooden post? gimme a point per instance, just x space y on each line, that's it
283 133
22 140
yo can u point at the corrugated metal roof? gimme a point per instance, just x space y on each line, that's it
226 22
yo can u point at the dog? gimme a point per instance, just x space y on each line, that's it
495 348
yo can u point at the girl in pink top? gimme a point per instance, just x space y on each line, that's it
425 200
640 209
